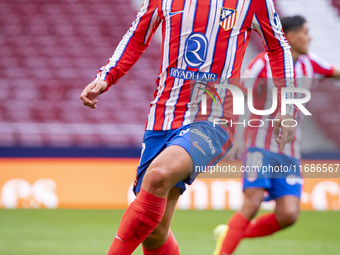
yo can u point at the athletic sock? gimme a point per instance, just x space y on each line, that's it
263 225
237 226
139 220
170 247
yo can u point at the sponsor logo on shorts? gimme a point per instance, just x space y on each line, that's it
183 132
294 179
206 138
198 147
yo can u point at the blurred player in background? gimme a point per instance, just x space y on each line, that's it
262 150
200 39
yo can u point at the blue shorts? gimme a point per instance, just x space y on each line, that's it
206 145
277 173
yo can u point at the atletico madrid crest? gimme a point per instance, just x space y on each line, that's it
228 18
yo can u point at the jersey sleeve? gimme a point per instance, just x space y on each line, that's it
133 44
320 66
267 23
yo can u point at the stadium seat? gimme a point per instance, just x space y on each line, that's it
49 51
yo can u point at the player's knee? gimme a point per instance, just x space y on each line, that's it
252 201
287 217
253 206
157 180
292 217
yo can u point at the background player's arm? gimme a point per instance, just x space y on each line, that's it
267 23
336 73
128 51
324 68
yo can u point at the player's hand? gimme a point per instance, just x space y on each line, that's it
287 131
91 92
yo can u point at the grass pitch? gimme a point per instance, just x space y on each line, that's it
82 232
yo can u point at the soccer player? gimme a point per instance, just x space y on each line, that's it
201 41
262 150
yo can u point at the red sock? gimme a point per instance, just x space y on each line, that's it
139 220
264 225
237 226
170 247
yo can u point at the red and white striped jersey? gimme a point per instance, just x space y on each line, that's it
306 67
202 40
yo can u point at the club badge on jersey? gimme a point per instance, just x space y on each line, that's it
228 18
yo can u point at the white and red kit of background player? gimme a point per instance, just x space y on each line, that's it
306 68
202 40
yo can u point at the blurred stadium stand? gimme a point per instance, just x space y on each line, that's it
50 49
325 100
324 24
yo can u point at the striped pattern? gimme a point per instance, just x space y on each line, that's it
177 100
306 68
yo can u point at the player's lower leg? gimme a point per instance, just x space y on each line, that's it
147 210
162 241
138 221
263 225
239 222
170 247
286 213
236 227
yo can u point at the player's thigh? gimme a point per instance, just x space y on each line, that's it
287 193
154 142
255 182
201 145
172 165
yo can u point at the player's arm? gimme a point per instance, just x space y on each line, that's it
323 67
336 73
128 51
267 23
